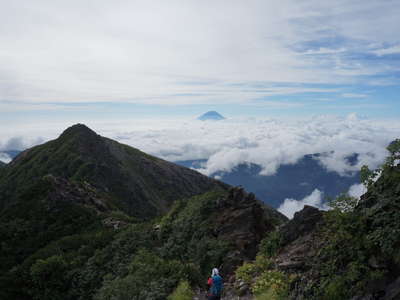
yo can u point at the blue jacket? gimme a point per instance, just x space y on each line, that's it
217 285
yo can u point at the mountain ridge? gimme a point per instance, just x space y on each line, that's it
140 183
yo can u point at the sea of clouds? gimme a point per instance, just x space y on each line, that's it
268 142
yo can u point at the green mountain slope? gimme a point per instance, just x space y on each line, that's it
139 184
50 210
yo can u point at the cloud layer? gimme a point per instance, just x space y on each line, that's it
225 144
4 157
270 142
357 190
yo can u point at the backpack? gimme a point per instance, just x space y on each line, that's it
217 285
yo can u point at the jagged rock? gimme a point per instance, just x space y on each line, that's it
295 256
303 222
300 243
242 222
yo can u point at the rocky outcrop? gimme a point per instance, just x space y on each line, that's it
241 219
299 240
302 224
62 190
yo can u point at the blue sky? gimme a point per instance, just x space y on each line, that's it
123 59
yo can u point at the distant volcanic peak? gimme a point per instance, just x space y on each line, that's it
211 115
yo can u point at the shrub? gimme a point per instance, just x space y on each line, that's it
246 272
336 289
182 292
251 270
272 285
270 245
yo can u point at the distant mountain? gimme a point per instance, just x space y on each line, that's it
294 181
211 115
139 184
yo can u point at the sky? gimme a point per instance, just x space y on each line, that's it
102 60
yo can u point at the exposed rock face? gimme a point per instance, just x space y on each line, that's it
242 220
299 240
303 222
84 193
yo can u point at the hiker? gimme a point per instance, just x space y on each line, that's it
215 285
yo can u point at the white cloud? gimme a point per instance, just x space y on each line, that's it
290 206
357 190
4 157
386 51
184 53
354 95
323 51
19 143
